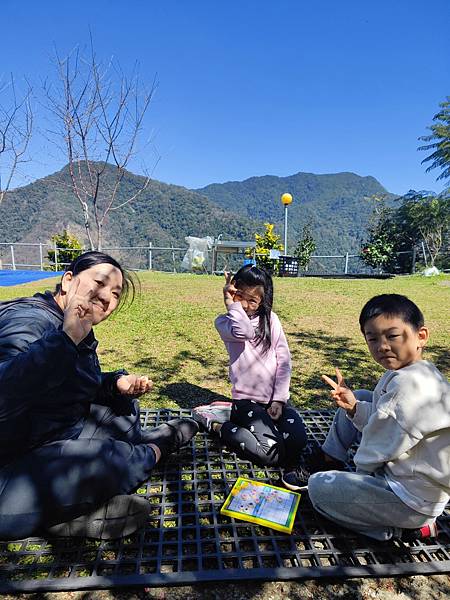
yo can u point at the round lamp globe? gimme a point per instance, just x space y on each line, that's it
286 199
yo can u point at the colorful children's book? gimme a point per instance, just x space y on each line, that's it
262 503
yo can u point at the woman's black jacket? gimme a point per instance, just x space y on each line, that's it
47 383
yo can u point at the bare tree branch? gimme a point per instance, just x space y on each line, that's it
16 126
101 113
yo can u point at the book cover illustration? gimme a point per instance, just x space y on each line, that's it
262 503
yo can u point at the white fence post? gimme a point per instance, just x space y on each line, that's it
150 257
56 257
346 264
13 260
173 258
41 256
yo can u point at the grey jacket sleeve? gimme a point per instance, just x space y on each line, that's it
383 440
362 414
389 433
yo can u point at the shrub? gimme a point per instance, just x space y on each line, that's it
378 252
305 247
68 248
264 244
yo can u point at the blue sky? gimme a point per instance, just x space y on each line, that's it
256 87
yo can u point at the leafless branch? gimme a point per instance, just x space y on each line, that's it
16 126
101 113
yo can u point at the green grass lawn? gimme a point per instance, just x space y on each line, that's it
168 333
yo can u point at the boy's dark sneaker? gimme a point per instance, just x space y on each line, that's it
422 533
171 435
119 517
319 461
296 479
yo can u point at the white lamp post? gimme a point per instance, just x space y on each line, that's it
286 199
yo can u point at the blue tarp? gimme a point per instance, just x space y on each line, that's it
17 277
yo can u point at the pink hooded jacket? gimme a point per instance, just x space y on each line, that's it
255 375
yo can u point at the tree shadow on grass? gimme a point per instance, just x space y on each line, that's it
170 376
188 395
439 356
358 368
173 367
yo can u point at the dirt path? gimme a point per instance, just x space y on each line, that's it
436 587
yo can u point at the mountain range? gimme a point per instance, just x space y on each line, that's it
334 206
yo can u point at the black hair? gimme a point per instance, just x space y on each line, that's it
251 276
392 305
89 259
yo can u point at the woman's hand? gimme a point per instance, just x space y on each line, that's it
134 385
341 394
275 410
78 314
228 290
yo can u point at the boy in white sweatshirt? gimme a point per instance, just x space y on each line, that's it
402 479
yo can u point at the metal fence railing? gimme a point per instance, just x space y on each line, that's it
335 264
22 255
26 255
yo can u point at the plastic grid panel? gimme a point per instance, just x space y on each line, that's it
186 540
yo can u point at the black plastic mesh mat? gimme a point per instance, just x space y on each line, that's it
186 540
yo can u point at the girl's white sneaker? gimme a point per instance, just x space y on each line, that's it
216 412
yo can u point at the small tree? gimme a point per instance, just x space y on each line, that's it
428 214
420 217
99 114
440 138
379 250
305 247
68 248
264 244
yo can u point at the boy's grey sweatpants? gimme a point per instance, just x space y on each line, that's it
359 501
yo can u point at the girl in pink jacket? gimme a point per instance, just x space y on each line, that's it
262 428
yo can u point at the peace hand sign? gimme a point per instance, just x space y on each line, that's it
228 290
341 394
78 314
